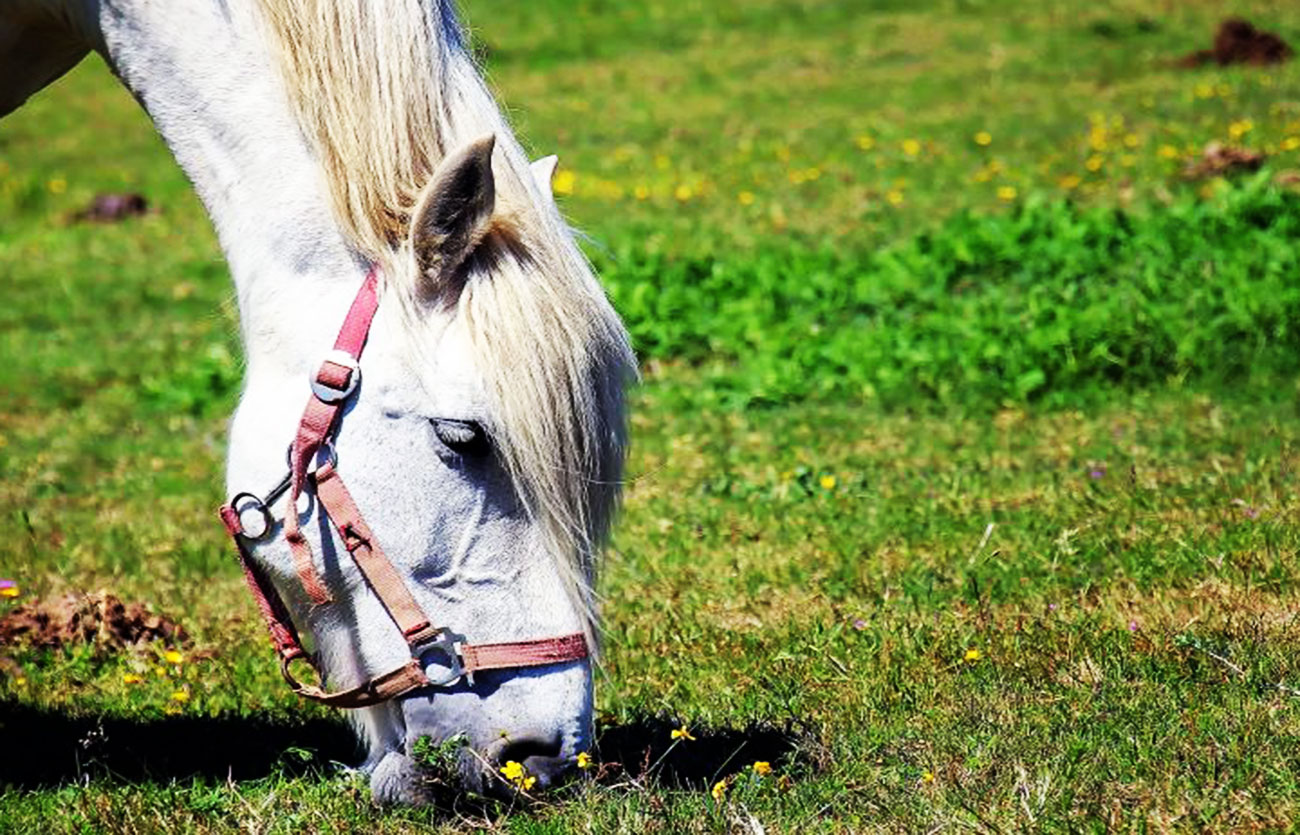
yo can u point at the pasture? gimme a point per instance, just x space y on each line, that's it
962 482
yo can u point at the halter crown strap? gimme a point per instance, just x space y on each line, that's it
334 382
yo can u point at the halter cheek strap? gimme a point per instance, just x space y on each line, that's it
332 385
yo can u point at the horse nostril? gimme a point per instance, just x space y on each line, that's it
538 756
520 748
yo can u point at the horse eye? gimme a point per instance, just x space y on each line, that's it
462 437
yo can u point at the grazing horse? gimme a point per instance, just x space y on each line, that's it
367 192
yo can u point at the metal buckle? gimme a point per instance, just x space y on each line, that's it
331 455
263 504
327 394
448 643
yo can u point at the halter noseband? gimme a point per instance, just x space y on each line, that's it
331 387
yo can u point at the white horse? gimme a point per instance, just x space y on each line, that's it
485 443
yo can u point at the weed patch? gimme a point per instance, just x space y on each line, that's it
1051 304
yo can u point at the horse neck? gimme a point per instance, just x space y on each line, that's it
202 73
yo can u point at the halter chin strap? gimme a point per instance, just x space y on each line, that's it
332 386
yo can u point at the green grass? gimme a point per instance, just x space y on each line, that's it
1047 304
875 435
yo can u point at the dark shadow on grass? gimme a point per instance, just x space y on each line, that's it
644 749
46 748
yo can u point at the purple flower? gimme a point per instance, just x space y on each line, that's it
859 624
1132 626
1051 607
1096 473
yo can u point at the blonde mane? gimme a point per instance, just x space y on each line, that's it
382 92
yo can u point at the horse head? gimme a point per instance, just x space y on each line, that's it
368 192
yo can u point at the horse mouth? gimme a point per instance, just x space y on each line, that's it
435 774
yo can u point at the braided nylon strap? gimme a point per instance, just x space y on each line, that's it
318 422
537 653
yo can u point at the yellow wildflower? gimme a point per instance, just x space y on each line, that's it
132 678
1007 193
682 733
762 768
719 790
983 138
1239 129
927 776
173 656
562 182
1094 163
827 482
972 655
865 142
683 192
911 147
58 185
746 198
894 196
584 760
9 591
1070 181
1291 143
641 192
1168 152
181 696
515 773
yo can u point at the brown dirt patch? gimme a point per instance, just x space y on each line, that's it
110 208
1219 160
1237 41
100 620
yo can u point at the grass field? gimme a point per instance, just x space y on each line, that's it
963 471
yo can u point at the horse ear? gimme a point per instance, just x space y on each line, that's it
455 210
544 172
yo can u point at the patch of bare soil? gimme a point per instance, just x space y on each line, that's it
110 208
100 620
1237 41
1219 160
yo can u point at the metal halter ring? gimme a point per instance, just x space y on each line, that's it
328 394
331 456
258 505
448 643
